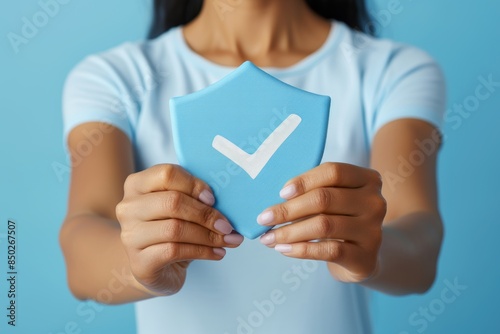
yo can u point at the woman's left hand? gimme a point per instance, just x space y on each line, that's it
338 206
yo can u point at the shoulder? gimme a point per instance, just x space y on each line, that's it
396 80
384 65
128 66
111 85
364 49
381 59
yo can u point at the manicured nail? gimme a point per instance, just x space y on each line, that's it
288 191
223 226
283 248
220 251
233 239
265 218
207 197
268 238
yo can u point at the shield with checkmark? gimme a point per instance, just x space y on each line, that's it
246 136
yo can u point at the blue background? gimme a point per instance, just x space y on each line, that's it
461 35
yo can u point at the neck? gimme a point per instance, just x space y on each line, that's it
238 30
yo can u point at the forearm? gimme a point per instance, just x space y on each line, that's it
97 265
408 254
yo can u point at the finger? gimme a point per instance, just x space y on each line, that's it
333 201
330 175
176 205
156 257
175 230
360 263
328 250
317 227
169 177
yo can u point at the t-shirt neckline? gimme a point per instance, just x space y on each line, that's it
305 64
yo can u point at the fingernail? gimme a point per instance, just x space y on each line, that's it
223 226
268 238
265 218
233 239
283 248
288 191
220 251
207 197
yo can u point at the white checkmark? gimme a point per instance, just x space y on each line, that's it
254 163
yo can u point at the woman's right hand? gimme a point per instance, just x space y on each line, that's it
167 220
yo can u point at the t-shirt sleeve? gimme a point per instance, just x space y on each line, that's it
95 91
412 86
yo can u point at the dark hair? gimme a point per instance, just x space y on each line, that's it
172 13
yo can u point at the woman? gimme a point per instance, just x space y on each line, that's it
138 224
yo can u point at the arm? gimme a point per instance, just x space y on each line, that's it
412 228
130 236
384 238
90 235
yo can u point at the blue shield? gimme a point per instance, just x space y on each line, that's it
246 136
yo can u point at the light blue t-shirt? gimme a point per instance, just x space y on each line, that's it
255 289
